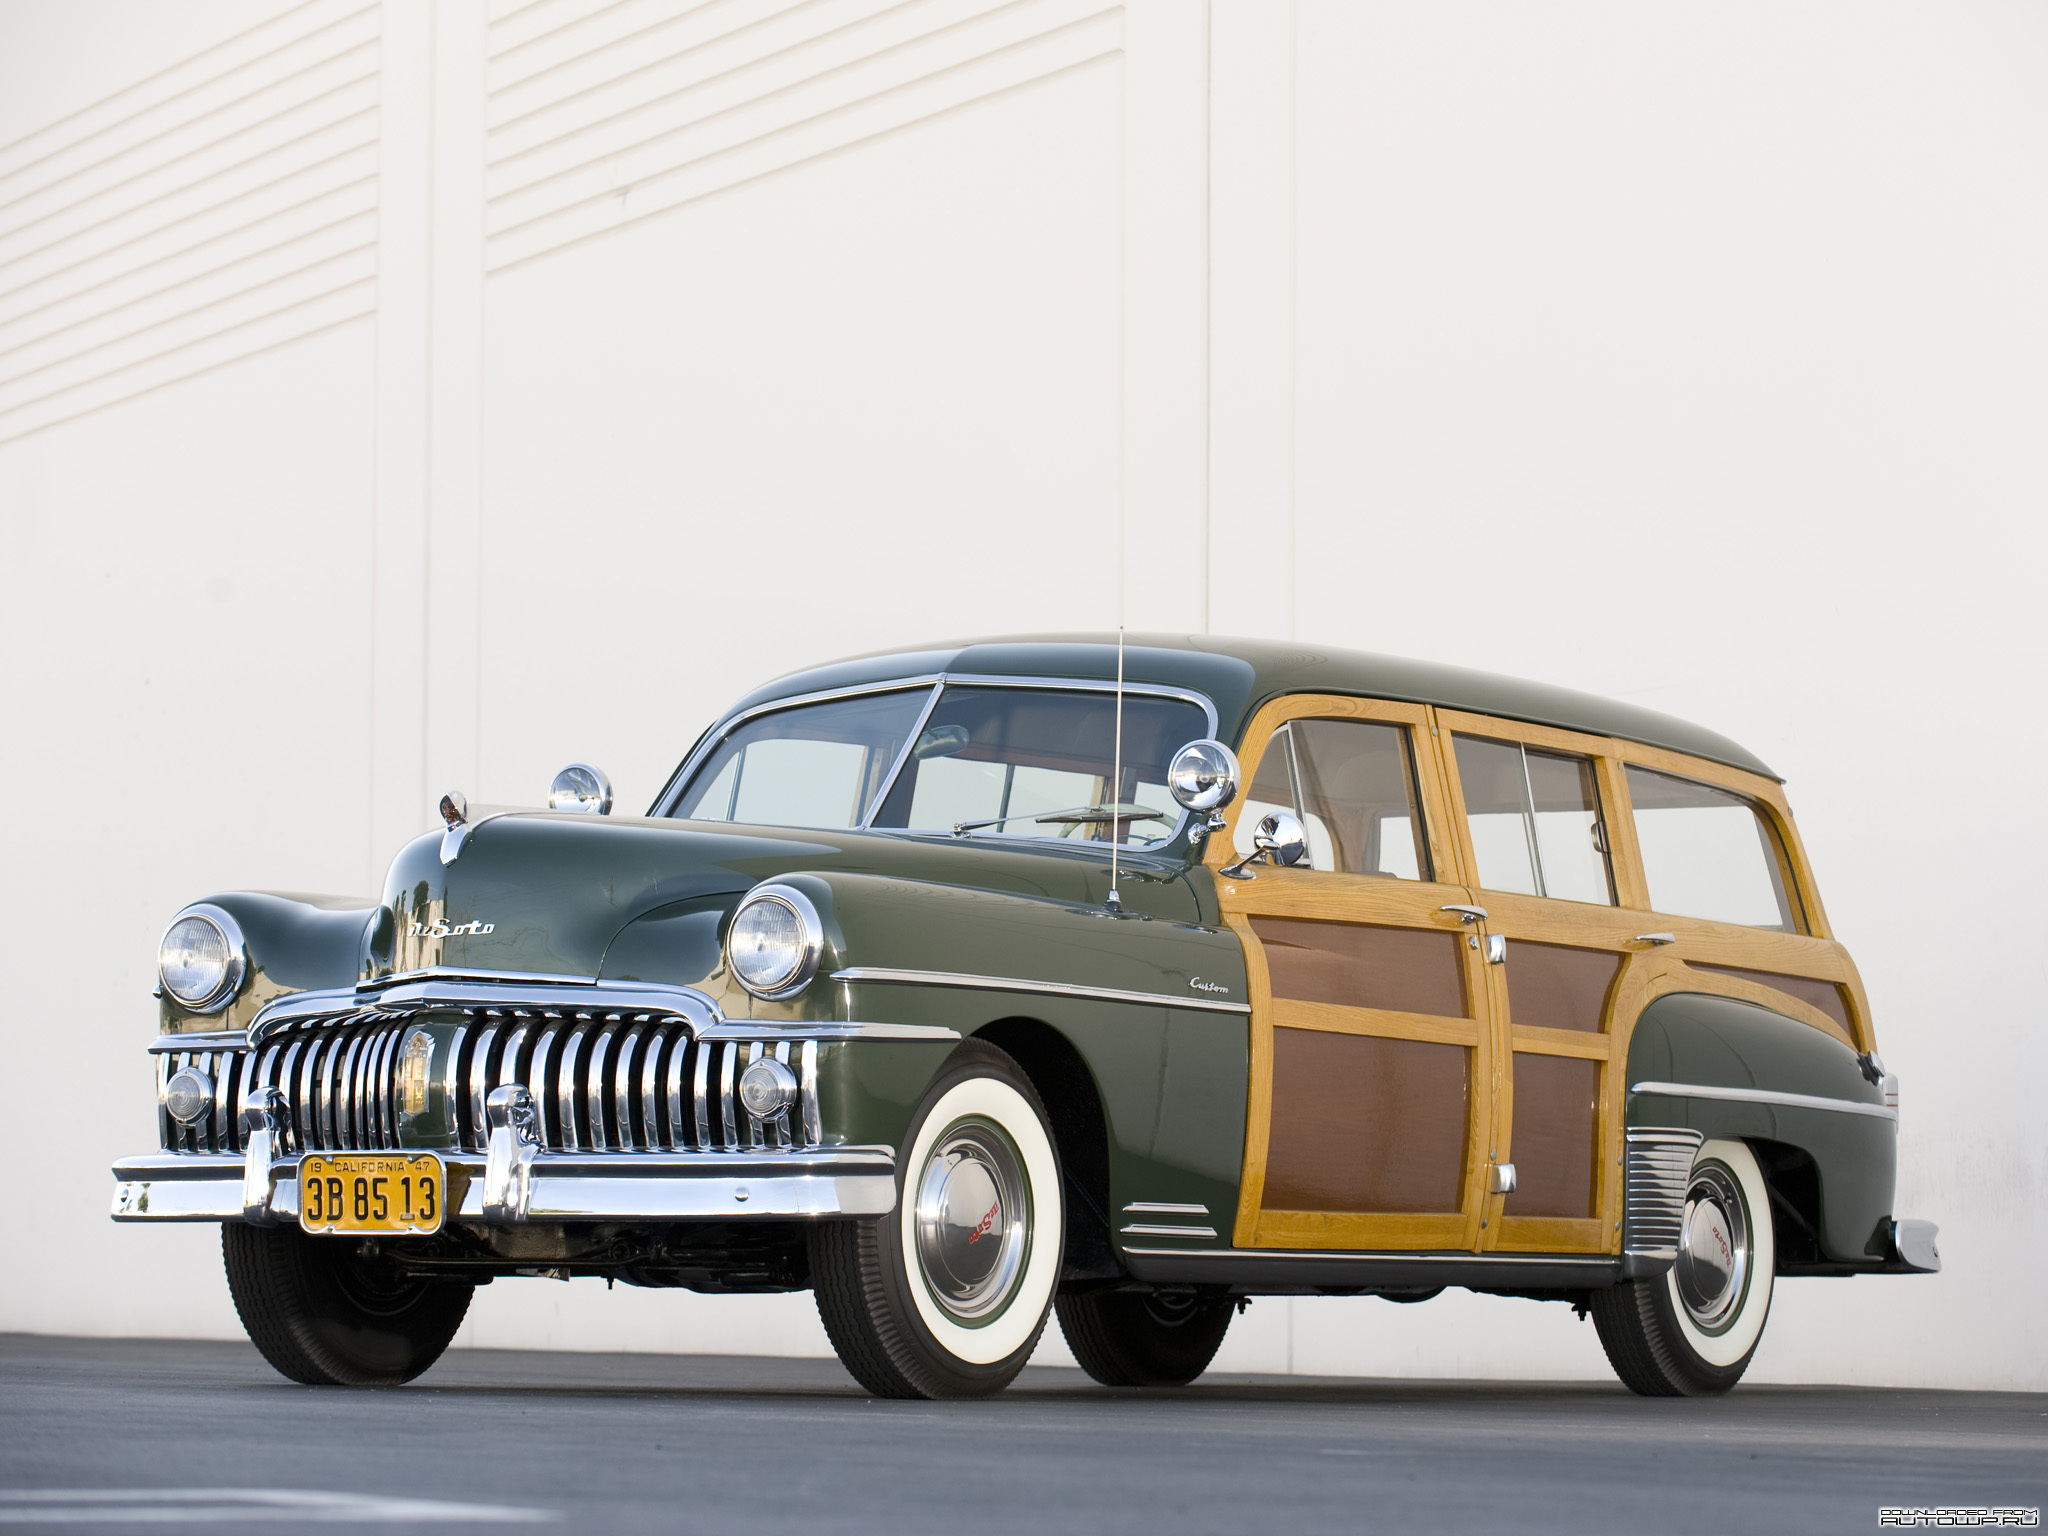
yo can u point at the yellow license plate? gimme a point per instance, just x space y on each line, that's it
382 1192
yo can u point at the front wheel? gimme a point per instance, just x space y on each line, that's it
1144 1339
946 1296
1691 1331
324 1315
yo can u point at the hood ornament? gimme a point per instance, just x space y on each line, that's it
455 812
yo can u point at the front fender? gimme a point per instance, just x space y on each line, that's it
295 943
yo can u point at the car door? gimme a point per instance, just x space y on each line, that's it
1534 814
1372 1056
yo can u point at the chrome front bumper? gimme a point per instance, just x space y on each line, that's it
551 1186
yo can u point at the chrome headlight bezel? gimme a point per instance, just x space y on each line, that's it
811 943
232 973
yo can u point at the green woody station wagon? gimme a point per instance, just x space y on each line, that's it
960 984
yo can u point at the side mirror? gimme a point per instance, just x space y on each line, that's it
580 787
1203 776
1280 839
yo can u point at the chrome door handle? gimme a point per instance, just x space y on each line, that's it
1467 914
1496 949
1656 938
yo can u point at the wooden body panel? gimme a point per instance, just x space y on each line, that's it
1588 971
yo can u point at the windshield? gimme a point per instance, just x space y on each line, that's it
989 761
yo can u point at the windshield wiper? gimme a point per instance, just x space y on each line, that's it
1079 816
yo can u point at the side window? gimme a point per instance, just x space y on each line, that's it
1708 852
1534 816
1352 783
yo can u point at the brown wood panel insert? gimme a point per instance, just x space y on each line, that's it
1555 1103
1558 986
1364 1123
1364 965
1824 995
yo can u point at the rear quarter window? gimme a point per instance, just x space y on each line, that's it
1709 853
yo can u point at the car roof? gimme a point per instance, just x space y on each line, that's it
1240 675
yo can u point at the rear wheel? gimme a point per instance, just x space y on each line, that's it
1691 1331
1144 1339
324 1315
946 1296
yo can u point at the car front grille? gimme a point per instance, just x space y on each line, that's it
602 1082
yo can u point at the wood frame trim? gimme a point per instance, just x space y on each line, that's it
1333 896
1447 867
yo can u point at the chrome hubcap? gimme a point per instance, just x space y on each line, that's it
1712 1271
972 1219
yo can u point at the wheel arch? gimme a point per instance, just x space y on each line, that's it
1080 1129
1830 1172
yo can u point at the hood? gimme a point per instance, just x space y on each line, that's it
554 893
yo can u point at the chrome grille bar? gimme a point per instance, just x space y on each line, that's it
728 1098
565 1087
631 1039
293 1127
451 1084
593 1095
387 1077
700 1097
223 1100
537 1076
650 1089
480 1085
678 1059
807 1079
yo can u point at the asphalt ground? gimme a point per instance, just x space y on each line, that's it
117 1434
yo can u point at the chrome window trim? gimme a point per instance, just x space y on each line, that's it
1767 1096
938 682
1018 984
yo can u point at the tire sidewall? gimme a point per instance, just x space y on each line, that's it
1725 1353
983 1084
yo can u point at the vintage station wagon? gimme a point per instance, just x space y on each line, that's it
963 984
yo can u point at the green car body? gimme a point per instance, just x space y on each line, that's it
1137 1021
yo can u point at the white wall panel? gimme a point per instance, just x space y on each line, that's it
799 420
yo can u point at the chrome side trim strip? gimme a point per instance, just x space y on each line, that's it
1163 1208
1147 1230
1765 1096
759 1029
1018 984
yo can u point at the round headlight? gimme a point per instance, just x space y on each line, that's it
188 1095
1203 775
200 960
767 1089
775 941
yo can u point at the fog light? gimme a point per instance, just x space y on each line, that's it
189 1095
767 1089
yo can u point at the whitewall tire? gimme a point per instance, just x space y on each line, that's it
947 1295
1692 1331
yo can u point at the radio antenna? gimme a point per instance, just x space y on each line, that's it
1115 903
